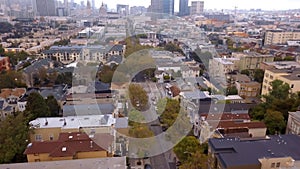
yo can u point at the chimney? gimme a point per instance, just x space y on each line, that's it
46 122
91 144
65 123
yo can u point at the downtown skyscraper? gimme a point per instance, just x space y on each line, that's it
184 8
162 6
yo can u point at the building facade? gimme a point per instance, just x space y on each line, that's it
288 76
251 60
45 7
162 6
276 37
197 7
293 124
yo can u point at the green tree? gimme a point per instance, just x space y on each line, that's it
138 97
245 72
232 90
11 79
259 75
187 145
1 50
36 107
274 121
170 113
13 138
191 153
53 106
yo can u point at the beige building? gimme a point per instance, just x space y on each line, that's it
293 124
69 146
248 89
48 129
280 37
197 7
251 60
289 76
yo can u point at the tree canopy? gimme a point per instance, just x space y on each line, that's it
277 103
36 107
191 154
11 79
170 111
13 138
138 97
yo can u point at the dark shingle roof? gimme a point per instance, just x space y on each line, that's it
235 152
118 48
87 109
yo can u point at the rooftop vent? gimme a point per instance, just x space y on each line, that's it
70 137
64 149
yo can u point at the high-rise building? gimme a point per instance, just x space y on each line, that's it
123 10
162 6
184 8
93 4
197 7
45 8
137 10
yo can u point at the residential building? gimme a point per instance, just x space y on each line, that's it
45 8
197 7
279 65
48 129
69 54
107 162
251 60
4 64
218 17
278 151
289 76
184 8
9 99
248 89
219 67
275 37
293 124
69 146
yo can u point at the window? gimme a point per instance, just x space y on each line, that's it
51 137
38 137
273 165
277 165
292 86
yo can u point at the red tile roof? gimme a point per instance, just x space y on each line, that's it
67 145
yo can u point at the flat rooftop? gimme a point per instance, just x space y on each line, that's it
236 152
74 122
96 163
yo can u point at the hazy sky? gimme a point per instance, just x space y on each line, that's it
214 4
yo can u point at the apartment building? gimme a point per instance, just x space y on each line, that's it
69 54
69 146
278 151
275 37
289 76
293 124
49 129
251 60
197 7
219 67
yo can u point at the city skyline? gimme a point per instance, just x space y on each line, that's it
215 4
